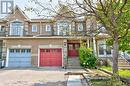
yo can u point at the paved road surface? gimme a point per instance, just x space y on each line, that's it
32 77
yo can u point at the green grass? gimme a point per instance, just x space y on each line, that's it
99 83
107 83
123 73
107 68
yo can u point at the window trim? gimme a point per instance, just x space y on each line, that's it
34 31
0 28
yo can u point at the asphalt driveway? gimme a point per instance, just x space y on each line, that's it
32 77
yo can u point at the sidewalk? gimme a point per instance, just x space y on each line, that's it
74 80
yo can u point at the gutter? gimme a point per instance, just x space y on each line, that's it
34 37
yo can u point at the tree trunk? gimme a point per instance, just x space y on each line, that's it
115 56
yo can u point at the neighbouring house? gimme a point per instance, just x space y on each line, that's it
41 42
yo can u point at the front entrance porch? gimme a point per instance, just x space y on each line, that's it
73 55
73 49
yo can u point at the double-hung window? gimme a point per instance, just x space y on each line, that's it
64 28
104 50
34 28
48 28
80 26
2 28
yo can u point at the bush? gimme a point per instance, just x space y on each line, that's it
102 62
87 58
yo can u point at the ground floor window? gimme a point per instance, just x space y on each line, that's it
103 49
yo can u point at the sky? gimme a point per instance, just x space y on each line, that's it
31 14
27 3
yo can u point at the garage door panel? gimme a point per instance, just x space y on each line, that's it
21 58
14 64
25 64
50 57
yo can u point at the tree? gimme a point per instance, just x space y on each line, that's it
114 15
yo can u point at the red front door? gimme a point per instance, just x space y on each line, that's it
73 49
50 57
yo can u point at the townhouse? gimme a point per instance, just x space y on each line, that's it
41 42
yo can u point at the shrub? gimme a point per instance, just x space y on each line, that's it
87 58
102 62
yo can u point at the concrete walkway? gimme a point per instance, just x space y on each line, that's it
74 80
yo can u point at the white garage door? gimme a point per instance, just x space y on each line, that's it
19 58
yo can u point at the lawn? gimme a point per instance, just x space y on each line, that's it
123 73
99 83
106 83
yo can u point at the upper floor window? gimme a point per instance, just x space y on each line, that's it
88 25
34 28
101 28
16 28
64 28
48 27
2 28
80 27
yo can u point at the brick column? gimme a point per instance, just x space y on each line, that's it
65 53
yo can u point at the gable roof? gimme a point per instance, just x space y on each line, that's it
20 11
64 11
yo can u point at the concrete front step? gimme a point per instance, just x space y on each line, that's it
126 68
74 67
74 63
123 64
122 61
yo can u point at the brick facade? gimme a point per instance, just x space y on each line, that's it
41 38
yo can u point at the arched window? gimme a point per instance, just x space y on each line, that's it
16 28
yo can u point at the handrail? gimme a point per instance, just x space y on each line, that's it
127 55
122 54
